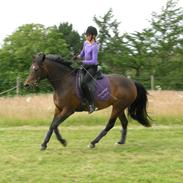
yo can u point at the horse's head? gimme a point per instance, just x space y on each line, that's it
37 71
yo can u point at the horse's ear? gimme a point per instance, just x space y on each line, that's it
41 57
33 57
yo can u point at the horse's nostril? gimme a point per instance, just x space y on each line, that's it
26 85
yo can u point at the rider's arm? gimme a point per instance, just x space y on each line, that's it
94 60
82 53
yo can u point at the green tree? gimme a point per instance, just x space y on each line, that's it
156 50
18 49
125 53
71 37
139 51
108 27
54 42
167 27
108 36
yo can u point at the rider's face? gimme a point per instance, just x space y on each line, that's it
89 37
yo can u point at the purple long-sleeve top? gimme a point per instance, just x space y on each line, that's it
90 53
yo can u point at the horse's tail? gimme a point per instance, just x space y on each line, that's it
138 109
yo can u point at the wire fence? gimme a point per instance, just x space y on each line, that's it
16 87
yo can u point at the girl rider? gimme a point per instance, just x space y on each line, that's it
89 54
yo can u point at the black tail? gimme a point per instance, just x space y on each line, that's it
138 110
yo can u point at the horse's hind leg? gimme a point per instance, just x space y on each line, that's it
124 124
109 125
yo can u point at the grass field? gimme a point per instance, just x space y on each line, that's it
152 155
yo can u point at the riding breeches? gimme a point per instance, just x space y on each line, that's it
88 72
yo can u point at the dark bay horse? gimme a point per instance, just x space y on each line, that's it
125 94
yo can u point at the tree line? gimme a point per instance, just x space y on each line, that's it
156 50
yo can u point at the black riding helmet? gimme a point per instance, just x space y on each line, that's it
91 31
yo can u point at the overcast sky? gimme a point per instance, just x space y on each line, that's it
133 14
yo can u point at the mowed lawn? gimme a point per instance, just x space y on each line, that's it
153 155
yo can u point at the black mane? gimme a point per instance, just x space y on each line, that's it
59 59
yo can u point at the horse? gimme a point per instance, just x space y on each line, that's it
124 94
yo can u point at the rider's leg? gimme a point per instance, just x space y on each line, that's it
90 72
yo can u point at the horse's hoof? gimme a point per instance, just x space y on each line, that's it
64 142
91 146
43 147
119 143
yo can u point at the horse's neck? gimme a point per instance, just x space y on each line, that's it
59 76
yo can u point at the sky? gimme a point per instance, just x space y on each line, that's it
133 14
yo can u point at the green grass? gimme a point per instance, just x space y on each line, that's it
151 155
85 119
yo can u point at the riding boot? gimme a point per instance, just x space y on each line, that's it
91 106
90 98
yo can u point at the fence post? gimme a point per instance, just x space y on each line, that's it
152 82
18 86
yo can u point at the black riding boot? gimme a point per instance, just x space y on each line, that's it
90 98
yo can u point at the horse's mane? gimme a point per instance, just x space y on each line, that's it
60 60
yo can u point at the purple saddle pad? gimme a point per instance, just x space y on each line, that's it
100 88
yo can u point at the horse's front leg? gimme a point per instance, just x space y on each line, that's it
59 137
58 118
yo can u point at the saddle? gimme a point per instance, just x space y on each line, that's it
99 86
91 84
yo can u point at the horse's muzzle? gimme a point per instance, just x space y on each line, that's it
27 85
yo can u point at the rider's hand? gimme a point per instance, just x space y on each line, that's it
76 57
